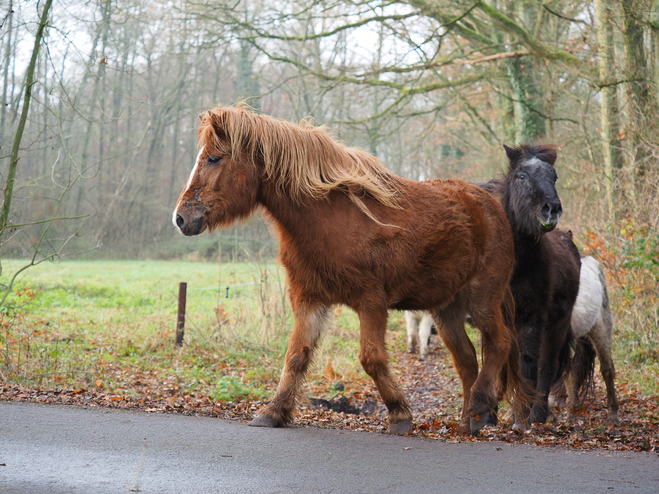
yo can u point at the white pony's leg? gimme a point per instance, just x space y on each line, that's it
424 334
601 335
608 371
412 325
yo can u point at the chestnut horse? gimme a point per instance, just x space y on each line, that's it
352 233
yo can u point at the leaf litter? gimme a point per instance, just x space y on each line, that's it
336 402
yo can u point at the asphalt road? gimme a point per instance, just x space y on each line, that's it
54 449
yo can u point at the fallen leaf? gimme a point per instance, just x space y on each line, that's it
329 372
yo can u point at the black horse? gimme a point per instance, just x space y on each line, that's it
545 281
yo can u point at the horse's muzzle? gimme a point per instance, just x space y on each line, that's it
550 214
189 223
548 224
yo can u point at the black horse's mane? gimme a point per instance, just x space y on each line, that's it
521 152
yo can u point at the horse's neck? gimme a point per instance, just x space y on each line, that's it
290 217
528 248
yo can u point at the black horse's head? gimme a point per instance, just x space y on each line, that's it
532 203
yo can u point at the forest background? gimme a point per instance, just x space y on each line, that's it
100 100
432 88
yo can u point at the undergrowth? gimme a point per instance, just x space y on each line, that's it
111 326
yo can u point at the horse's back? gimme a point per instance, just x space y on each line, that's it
560 243
451 230
416 256
495 187
482 207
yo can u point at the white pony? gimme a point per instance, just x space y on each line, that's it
592 321
419 326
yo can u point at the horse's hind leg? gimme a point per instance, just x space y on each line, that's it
412 326
496 348
601 337
572 388
374 358
424 335
309 322
609 373
450 326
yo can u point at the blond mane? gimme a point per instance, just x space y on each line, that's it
302 159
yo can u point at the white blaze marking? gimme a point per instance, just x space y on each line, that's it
187 186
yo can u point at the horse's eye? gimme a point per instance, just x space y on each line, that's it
213 159
522 176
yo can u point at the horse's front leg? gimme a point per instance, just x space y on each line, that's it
374 358
309 323
548 365
529 340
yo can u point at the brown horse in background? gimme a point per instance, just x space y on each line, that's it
353 233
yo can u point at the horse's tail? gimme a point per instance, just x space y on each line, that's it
511 383
583 365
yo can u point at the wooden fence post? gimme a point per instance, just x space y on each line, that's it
180 320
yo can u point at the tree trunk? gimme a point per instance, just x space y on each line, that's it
103 33
13 160
5 71
653 21
530 125
609 105
247 84
640 107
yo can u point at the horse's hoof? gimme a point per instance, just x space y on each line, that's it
423 356
481 420
400 428
538 415
612 419
520 426
263 421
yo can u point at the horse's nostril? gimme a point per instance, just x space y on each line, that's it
550 209
180 222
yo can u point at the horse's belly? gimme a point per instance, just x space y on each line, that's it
424 297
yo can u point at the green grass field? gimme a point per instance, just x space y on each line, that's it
111 325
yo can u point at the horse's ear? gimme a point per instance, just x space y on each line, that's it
549 155
514 154
219 127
